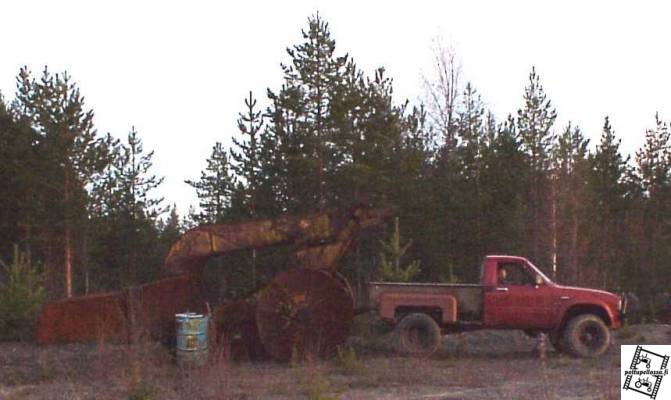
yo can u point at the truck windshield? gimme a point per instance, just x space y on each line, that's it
545 278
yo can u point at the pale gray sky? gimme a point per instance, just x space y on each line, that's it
179 71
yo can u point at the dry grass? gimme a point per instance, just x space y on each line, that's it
149 374
467 367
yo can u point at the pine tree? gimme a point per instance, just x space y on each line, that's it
72 156
653 167
503 180
214 187
568 200
608 209
21 296
468 188
122 236
534 124
391 257
170 229
301 116
101 261
19 177
138 209
246 153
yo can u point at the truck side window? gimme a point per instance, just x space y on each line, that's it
513 274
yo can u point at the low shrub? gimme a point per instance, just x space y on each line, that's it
21 296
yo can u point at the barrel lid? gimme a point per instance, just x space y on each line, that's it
188 315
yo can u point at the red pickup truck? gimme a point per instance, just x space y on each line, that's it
512 294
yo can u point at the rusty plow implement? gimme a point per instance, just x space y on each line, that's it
306 309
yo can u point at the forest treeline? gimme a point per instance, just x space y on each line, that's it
463 182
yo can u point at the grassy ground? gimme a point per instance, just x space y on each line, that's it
478 365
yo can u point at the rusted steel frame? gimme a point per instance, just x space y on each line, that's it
236 332
303 313
196 246
121 316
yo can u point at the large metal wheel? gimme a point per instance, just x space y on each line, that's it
304 313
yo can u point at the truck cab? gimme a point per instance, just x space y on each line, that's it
517 295
512 294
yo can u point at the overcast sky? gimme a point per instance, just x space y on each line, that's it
179 71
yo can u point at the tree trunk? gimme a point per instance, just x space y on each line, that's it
554 229
574 244
68 260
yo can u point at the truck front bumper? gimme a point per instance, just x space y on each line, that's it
622 308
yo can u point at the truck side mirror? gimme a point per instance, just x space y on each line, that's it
539 280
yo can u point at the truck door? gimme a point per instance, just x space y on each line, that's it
516 301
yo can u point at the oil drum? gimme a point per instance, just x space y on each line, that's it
192 350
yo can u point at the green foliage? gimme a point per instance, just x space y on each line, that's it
534 123
331 136
315 384
346 360
393 251
70 155
608 207
246 152
125 246
534 130
214 187
21 296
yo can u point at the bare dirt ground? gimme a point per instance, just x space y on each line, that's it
477 365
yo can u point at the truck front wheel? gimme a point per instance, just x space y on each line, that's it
585 336
417 335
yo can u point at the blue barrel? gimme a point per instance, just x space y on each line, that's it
191 339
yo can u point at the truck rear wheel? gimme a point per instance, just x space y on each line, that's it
585 336
417 335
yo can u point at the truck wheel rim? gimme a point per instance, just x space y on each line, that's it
591 336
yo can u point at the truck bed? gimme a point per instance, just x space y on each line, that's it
469 296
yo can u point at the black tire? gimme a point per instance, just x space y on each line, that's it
417 335
586 336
